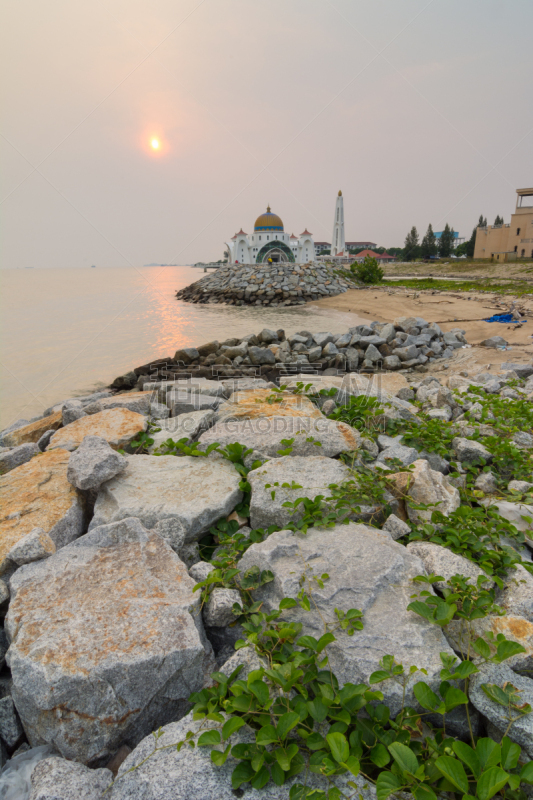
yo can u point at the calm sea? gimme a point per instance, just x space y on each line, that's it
67 332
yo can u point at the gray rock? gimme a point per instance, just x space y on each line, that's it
192 493
35 545
186 426
405 393
523 439
406 353
260 355
218 611
72 414
440 561
12 459
159 411
370 447
436 462
44 441
314 354
239 351
186 355
343 340
392 362
522 370
492 387
396 527
264 435
426 487
56 778
4 592
106 641
189 554
444 414
312 476
519 486
385 441
368 571
268 336
373 354
20 423
451 340
407 455
93 463
494 341
469 451
516 597
329 350
192 402
200 571
521 731
190 774
11 731
486 482
322 339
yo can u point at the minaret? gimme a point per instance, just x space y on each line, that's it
337 240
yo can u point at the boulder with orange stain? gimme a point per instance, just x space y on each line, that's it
38 495
424 486
258 403
107 642
33 431
118 426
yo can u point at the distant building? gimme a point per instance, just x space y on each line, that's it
337 240
457 240
384 258
511 241
270 242
320 247
358 245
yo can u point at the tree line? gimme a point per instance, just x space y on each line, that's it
443 246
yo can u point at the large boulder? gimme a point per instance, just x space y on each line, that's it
19 455
272 486
311 436
134 401
118 427
33 431
106 642
58 779
191 775
182 496
38 495
441 561
428 487
186 426
93 463
369 571
255 403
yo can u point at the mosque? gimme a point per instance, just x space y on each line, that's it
270 242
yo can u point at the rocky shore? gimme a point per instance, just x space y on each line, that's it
272 505
282 284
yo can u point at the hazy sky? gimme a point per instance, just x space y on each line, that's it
420 111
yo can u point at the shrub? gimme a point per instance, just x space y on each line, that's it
369 271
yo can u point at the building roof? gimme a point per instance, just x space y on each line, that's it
306 233
372 254
360 244
240 233
268 222
293 236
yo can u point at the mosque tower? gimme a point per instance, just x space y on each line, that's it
337 240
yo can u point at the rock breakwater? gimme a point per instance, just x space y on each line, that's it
319 500
282 284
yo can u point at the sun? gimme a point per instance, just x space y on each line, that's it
155 144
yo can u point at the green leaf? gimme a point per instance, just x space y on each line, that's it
266 735
380 755
378 676
324 640
260 690
490 782
308 641
284 756
317 709
453 771
386 784
338 743
287 602
286 723
526 773
233 724
404 757
243 772
316 741
422 610
209 738
488 752
510 753
468 756
506 650
481 647
423 792
454 697
260 778
352 765
219 758
425 696
219 677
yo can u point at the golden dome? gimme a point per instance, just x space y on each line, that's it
268 222
340 193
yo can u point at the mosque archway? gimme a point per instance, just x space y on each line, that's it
277 251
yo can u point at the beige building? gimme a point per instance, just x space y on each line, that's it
512 241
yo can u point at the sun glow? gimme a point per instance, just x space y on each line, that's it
155 144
